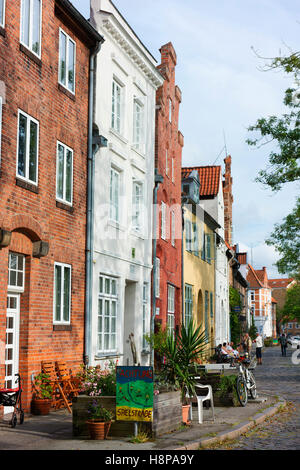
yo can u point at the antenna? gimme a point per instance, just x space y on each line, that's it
225 146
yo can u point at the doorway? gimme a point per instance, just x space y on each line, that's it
12 343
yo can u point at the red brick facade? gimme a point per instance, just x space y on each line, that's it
168 156
228 200
31 212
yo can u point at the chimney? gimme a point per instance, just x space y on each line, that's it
228 200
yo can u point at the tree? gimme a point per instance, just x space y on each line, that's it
284 164
235 325
291 309
286 239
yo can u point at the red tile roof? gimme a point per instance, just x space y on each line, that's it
209 177
252 278
280 283
273 300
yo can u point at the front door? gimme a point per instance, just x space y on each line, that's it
12 343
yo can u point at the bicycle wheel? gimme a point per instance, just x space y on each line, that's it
253 391
241 389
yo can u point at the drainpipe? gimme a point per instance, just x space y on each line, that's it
90 211
158 180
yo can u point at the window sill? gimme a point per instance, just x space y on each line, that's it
2 32
62 327
116 225
139 152
26 185
66 92
31 55
65 207
118 135
107 356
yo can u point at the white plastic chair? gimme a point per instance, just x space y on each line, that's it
201 400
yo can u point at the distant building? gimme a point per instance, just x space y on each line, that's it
260 300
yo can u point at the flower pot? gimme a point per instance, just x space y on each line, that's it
98 429
185 414
40 406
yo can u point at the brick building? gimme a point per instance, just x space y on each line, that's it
168 157
279 290
45 50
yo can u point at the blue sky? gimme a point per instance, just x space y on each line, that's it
224 91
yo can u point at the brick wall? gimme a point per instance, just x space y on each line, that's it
228 200
32 214
170 140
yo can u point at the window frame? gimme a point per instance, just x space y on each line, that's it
15 288
68 39
111 298
2 24
27 150
188 236
137 215
138 145
112 204
188 303
163 220
157 278
30 28
115 128
173 228
145 300
62 321
66 148
171 324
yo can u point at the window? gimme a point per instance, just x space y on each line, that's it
114 195
2 13
116 106
208 248
16 272
62 293
173 177
157 278
173 228
64 173
252 296
28 137
138 125
145 315
137 202
211 305
290 326
170 110
31 16
188 304
107 314
163 220
67 54
171 310
188 235
206 306
195 240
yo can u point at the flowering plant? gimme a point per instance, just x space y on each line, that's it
97 412
97 381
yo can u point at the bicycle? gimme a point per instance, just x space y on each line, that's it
245 384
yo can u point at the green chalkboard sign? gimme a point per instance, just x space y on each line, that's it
134 393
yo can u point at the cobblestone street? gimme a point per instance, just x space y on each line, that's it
278 376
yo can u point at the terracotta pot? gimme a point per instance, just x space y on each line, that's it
185 414
40 406
98 429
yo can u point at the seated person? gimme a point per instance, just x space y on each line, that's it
230 347
227 350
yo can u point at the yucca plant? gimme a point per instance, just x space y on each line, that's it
180 353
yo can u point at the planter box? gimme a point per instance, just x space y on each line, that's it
167 415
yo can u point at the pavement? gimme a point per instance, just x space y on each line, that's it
54 431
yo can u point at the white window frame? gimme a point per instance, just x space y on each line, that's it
68 40
173 222
115 117
137 206
112 202
163 220
29 120
11 287
188 304
62 321
157 278
145 314
30 28
66 148
138 137
171 299
188 236
111 298
2 23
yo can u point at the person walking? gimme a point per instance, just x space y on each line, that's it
283 344
259 344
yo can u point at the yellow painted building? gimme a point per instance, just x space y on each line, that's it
198 262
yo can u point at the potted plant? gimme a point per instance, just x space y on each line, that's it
181 353
42 394
99 421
